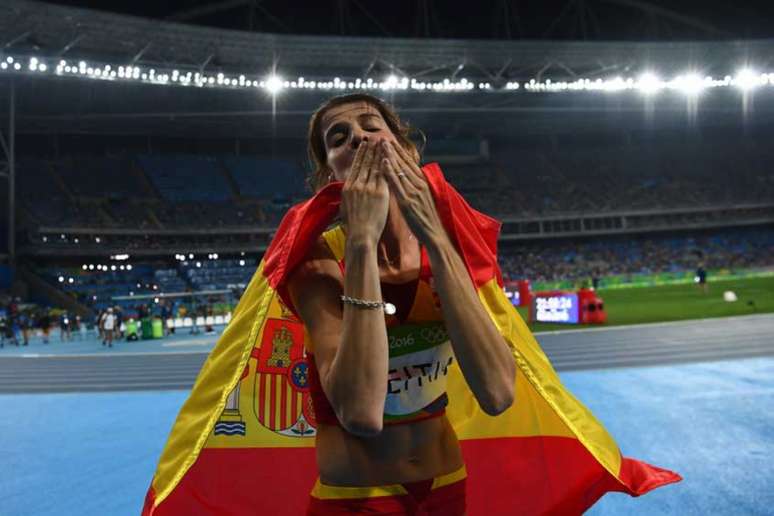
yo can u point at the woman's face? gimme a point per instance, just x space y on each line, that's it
344 128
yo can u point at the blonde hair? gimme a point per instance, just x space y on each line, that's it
318 157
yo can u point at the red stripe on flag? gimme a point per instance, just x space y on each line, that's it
528 475
294 406
261 403
241 480
273 403
283 406
543 475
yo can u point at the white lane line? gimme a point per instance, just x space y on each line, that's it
688 322
187 343
108 353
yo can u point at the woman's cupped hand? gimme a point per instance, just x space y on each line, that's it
365 197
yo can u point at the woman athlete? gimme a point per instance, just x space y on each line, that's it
384 444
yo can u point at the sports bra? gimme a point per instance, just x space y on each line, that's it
419 349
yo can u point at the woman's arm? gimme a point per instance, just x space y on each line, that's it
350 346
482 353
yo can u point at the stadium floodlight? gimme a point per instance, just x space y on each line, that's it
274 84
690 84
747 79
85 267
649 83
91 266
242 263
129 267
190 256
70 280
61 279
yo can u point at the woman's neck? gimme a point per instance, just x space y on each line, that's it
397 246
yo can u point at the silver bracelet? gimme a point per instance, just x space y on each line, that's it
388 308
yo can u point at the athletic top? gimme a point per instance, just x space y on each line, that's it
419 349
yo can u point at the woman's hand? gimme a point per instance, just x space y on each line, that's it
365 196
412 191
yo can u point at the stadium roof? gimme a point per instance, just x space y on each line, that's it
72 105
75 32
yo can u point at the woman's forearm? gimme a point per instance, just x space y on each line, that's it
358 374
481 351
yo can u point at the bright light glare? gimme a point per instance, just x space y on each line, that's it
747 79
649 83
690 84
274 84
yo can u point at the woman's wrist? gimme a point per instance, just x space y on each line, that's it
360 242
438 245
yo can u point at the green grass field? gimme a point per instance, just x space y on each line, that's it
678 302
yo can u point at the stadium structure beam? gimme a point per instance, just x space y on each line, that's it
9 150
18 38
142 51
671 15
372 18
196 12
70 44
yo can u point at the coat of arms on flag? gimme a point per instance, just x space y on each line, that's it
274 387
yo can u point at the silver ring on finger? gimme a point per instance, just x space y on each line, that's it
401 174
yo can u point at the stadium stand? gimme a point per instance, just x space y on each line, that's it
181 178
574 260
265 178
217 274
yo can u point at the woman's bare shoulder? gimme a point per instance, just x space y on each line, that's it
318 263
316 282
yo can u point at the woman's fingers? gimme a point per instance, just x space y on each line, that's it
359 172
407 167
368 162
394 180
357 162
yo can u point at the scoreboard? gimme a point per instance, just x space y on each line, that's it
583 306
555 307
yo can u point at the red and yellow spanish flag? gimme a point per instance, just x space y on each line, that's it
243 442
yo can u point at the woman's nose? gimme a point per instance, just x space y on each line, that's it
358 137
